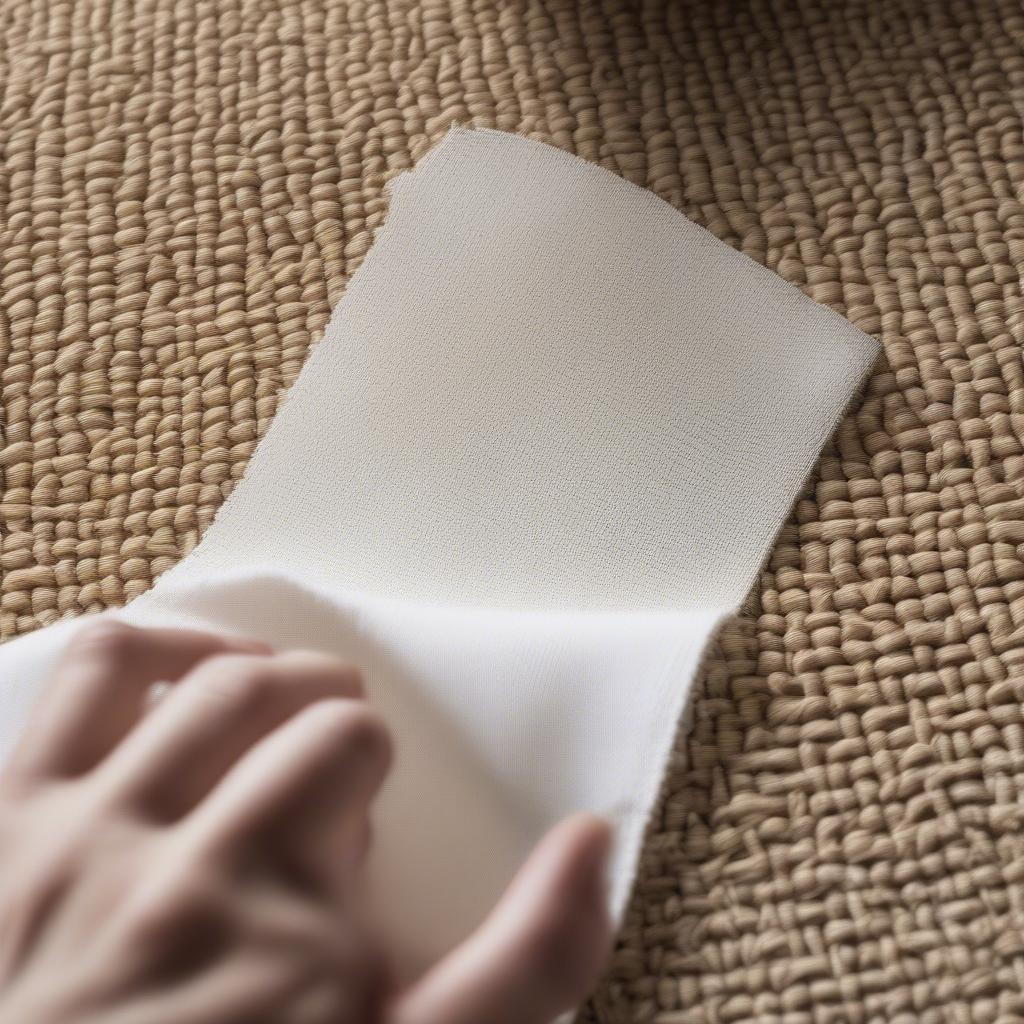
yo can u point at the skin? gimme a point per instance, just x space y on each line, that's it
199 862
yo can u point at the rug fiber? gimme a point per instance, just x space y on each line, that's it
187 185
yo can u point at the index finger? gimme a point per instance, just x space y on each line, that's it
97 692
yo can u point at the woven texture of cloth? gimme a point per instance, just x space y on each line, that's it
187 185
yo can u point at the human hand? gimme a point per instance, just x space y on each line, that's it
201 864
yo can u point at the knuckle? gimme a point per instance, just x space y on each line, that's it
110 639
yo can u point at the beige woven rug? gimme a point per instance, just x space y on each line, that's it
186 186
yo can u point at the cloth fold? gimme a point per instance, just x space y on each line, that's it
539 456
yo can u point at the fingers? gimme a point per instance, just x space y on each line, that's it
259 986
262 983
98 690
216 713
540 951
325 763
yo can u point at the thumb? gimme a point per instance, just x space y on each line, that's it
540 950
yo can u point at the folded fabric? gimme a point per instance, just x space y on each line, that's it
540 454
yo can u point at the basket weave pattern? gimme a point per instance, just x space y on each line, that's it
187 185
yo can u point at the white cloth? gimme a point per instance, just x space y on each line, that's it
539 455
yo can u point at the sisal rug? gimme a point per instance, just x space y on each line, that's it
185 188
